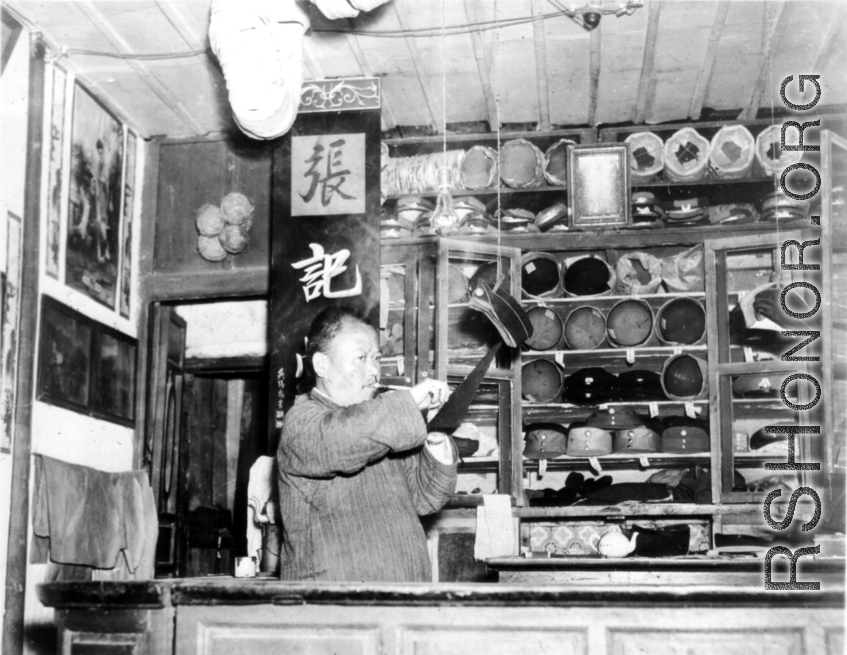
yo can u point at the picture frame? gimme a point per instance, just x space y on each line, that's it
598 186
55 177
127 216
94 199
10 326
85 366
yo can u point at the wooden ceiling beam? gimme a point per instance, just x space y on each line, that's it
541 64
647 81
93 13
483 66
428 92
773 39
593 73
705 76
388 120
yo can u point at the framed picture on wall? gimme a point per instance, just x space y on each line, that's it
598 186
55 178
94 205
85 366
9 341
125 288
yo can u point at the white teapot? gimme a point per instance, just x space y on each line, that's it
616 544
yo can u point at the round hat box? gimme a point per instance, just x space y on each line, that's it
540 275
681 321
541 380
585 328
547 328
686 156
629 323
646 156
556 162
587 276
684 377
479 168
521 164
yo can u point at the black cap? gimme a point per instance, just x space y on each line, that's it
681 321
640 385
588 276
590 386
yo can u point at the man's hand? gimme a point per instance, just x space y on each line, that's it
767 305
430 393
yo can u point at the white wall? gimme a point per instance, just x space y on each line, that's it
57 432
13 102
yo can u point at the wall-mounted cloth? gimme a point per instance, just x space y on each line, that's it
91 516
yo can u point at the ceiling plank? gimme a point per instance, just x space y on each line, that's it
779 23
95 15
594 73
647 81
538 32
428 92
388 121
705 76
483 66
825 51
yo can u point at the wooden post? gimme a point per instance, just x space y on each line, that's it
16 561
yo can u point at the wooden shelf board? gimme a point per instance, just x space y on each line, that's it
640 509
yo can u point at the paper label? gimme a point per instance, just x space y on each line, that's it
560 358
690 410
748 354
654 410
529 268
630 355
643 461
595 464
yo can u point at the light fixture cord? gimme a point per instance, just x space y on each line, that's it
443 89
497 118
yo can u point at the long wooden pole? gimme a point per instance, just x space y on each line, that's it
13 619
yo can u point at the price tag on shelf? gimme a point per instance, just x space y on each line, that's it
603 406
560 358
691 410
748 354
401 365
643 461
594 462
630 355
677 350
654 409
542 468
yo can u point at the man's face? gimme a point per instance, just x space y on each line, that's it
348 372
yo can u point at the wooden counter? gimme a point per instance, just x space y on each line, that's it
223 616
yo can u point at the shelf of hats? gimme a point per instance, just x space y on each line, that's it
614 377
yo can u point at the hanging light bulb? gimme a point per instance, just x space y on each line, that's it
445 220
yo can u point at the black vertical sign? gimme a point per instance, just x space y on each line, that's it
325 227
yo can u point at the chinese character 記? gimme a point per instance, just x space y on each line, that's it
320 269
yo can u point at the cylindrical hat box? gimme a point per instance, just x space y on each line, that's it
556 162
685 377
587 276
585 328
521 164
731 153
638 273
589 442
540 275
646 156
488 272
457 284
479 168
681 322
686 156
770 158
547 328
629 323
541 380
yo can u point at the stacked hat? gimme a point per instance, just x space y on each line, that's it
540 275
647 211
777 207
424 227
393 227
681 321
547 328
687 211
640 385
545 440
732 213
584 441
521 164
553 219
556 162
630 323
588 276
515 221
541 380
410 208
468 205
590 386
757 385
684 377
681 434
585 328
615 418
476 222
638 440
